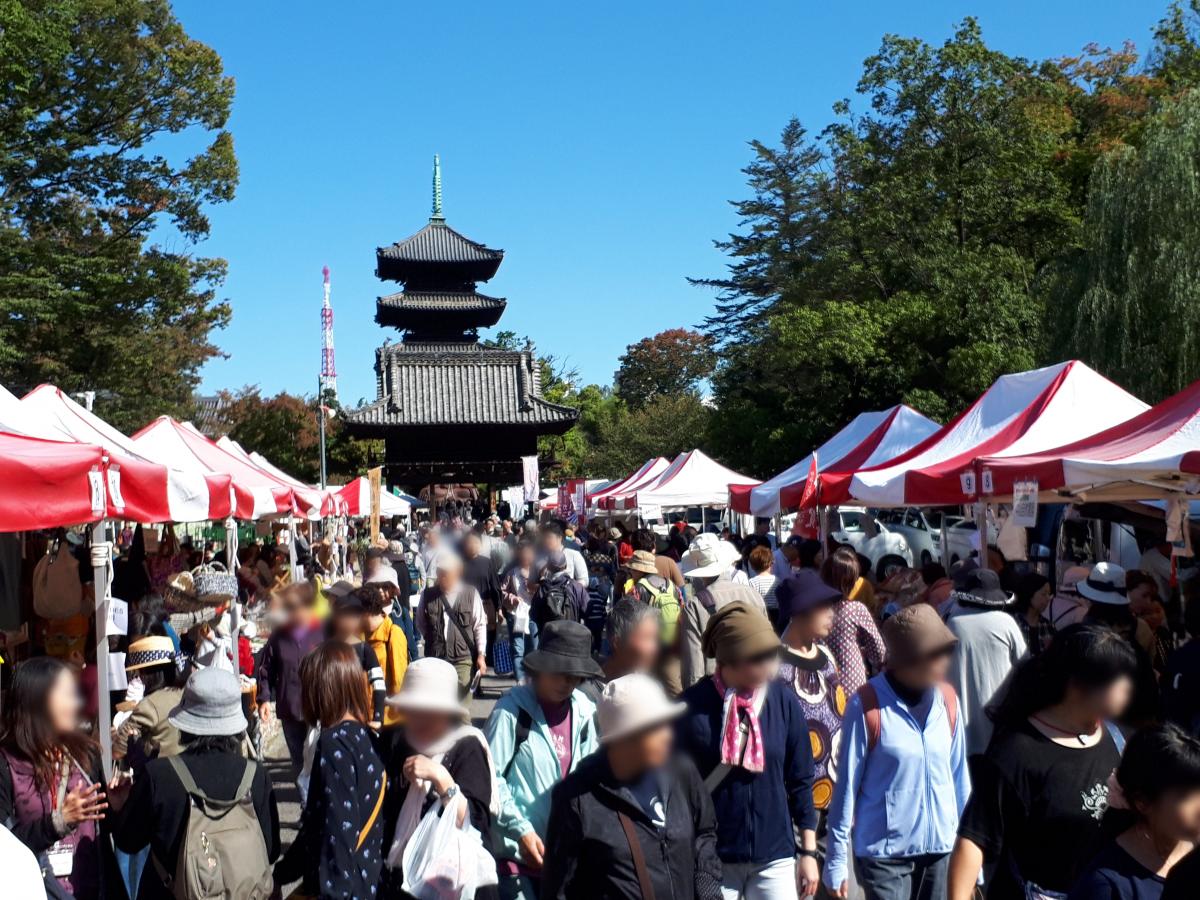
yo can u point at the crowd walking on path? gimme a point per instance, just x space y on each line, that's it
691 715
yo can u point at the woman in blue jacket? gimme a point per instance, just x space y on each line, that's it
748 736
902 772
538 733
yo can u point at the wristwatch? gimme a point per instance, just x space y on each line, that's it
811 854
451 793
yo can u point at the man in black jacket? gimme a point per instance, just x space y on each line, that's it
632 821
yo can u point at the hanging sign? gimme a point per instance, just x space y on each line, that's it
1025 503
967 481
96 483
1178 533
117 623
529 478
988 485
651 513
117 678
114 487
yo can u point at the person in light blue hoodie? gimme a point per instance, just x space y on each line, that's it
539 732
902 771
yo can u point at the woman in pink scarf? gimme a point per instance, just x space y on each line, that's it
748 735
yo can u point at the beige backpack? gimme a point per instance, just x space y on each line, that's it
57 590
223 855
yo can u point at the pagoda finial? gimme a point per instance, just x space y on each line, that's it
437 191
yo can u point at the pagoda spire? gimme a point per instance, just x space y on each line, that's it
437 191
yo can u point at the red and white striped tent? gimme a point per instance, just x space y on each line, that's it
647 477
355 499
50 484
318 503
1153 454
871 438
692 479
139 487
1022 413
256 495
651 468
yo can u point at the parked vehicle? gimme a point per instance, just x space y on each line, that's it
887 550
962 540
921 528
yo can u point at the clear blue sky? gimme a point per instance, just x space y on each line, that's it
598 144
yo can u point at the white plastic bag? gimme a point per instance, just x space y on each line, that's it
446 861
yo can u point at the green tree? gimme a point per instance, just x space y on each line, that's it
87 299
665 426
671 362
1129 302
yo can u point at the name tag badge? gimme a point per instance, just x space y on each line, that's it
62 860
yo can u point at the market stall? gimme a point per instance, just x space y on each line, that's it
692 479
870 439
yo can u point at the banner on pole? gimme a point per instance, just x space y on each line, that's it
374 481
807 524
529 479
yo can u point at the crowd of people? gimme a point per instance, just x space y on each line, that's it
690 715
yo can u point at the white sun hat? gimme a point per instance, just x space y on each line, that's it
634 703
707 556
1104 584
430 685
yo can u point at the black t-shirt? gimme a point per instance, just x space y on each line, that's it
1181 687
1115 875
648 793
1036 806
1182 881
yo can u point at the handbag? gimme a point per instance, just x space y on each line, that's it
214 584
57 588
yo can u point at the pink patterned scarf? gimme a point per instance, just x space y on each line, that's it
735 702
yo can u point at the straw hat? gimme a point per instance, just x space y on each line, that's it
634 703
430 685
642 561
154 650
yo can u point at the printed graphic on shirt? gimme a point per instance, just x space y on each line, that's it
1095 801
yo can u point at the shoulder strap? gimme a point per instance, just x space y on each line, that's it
524 724
639 858
1117 735
189 783
366 829
950 698
247 781
716 777
871 715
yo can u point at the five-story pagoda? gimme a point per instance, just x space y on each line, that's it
449 408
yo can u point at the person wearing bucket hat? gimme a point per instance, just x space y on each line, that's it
747 734
706 566
154 810
147 732
338 851
661 595
435 756
902 774
807 667
990 644
538 733
634 819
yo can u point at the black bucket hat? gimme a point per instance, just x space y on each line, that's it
564 648
982 588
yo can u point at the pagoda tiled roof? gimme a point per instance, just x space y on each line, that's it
438 242
450 383
433 301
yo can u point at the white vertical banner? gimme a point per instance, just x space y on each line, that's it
529 478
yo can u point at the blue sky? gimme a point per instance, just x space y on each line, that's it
597 144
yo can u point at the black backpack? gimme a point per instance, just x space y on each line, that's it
555 600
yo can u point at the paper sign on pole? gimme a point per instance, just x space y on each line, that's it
374 478
117 679
1025 503
117 623
967 481
988 486
651 513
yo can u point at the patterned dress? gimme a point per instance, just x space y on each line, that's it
343 802
855 640
819 688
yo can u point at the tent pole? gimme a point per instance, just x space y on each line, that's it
101 559
235 608
291 522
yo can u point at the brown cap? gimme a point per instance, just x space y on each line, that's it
738 631
915 633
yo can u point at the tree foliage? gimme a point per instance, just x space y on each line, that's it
671 362
904 254
1129 302
88 300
